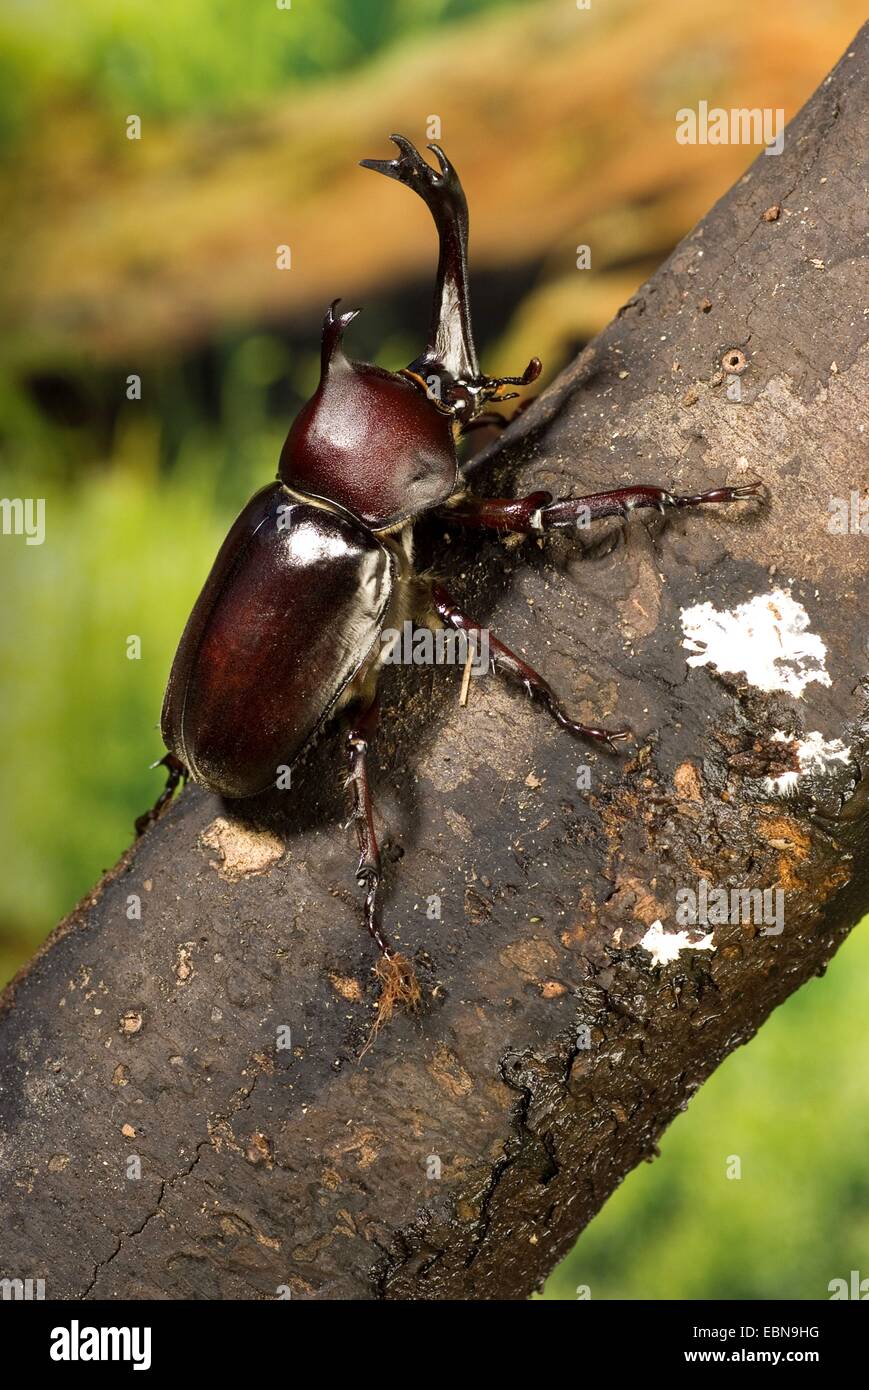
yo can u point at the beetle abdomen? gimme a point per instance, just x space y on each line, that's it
289 613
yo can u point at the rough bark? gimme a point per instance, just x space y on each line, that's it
307 1167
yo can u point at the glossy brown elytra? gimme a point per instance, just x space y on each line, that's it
286 633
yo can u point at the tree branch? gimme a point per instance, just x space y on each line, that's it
553 1050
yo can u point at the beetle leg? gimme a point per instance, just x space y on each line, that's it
494 419
395 972
538 513
176 772
506 660
488 419
368 871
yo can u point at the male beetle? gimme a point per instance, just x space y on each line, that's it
286 632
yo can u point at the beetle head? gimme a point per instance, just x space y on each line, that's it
369 439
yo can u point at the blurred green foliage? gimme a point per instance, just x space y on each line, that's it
196 56
133 523
129 541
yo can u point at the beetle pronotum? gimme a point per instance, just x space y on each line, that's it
286 632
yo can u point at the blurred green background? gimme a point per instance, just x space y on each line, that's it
156 257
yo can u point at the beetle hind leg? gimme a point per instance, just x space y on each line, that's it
399 985
535 685
175 772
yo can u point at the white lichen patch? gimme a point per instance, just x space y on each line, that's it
814 754
242 851
665 946
767 639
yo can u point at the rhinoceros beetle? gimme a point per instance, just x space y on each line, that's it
286 632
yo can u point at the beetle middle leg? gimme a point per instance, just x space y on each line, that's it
175 772
395 972
506 660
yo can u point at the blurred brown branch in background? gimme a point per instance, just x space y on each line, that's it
562 122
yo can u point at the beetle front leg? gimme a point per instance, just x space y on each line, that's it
538 512
395 972
493 419
176 772
506 660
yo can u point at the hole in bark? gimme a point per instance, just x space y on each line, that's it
734 361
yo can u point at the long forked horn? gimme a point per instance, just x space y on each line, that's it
450 345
